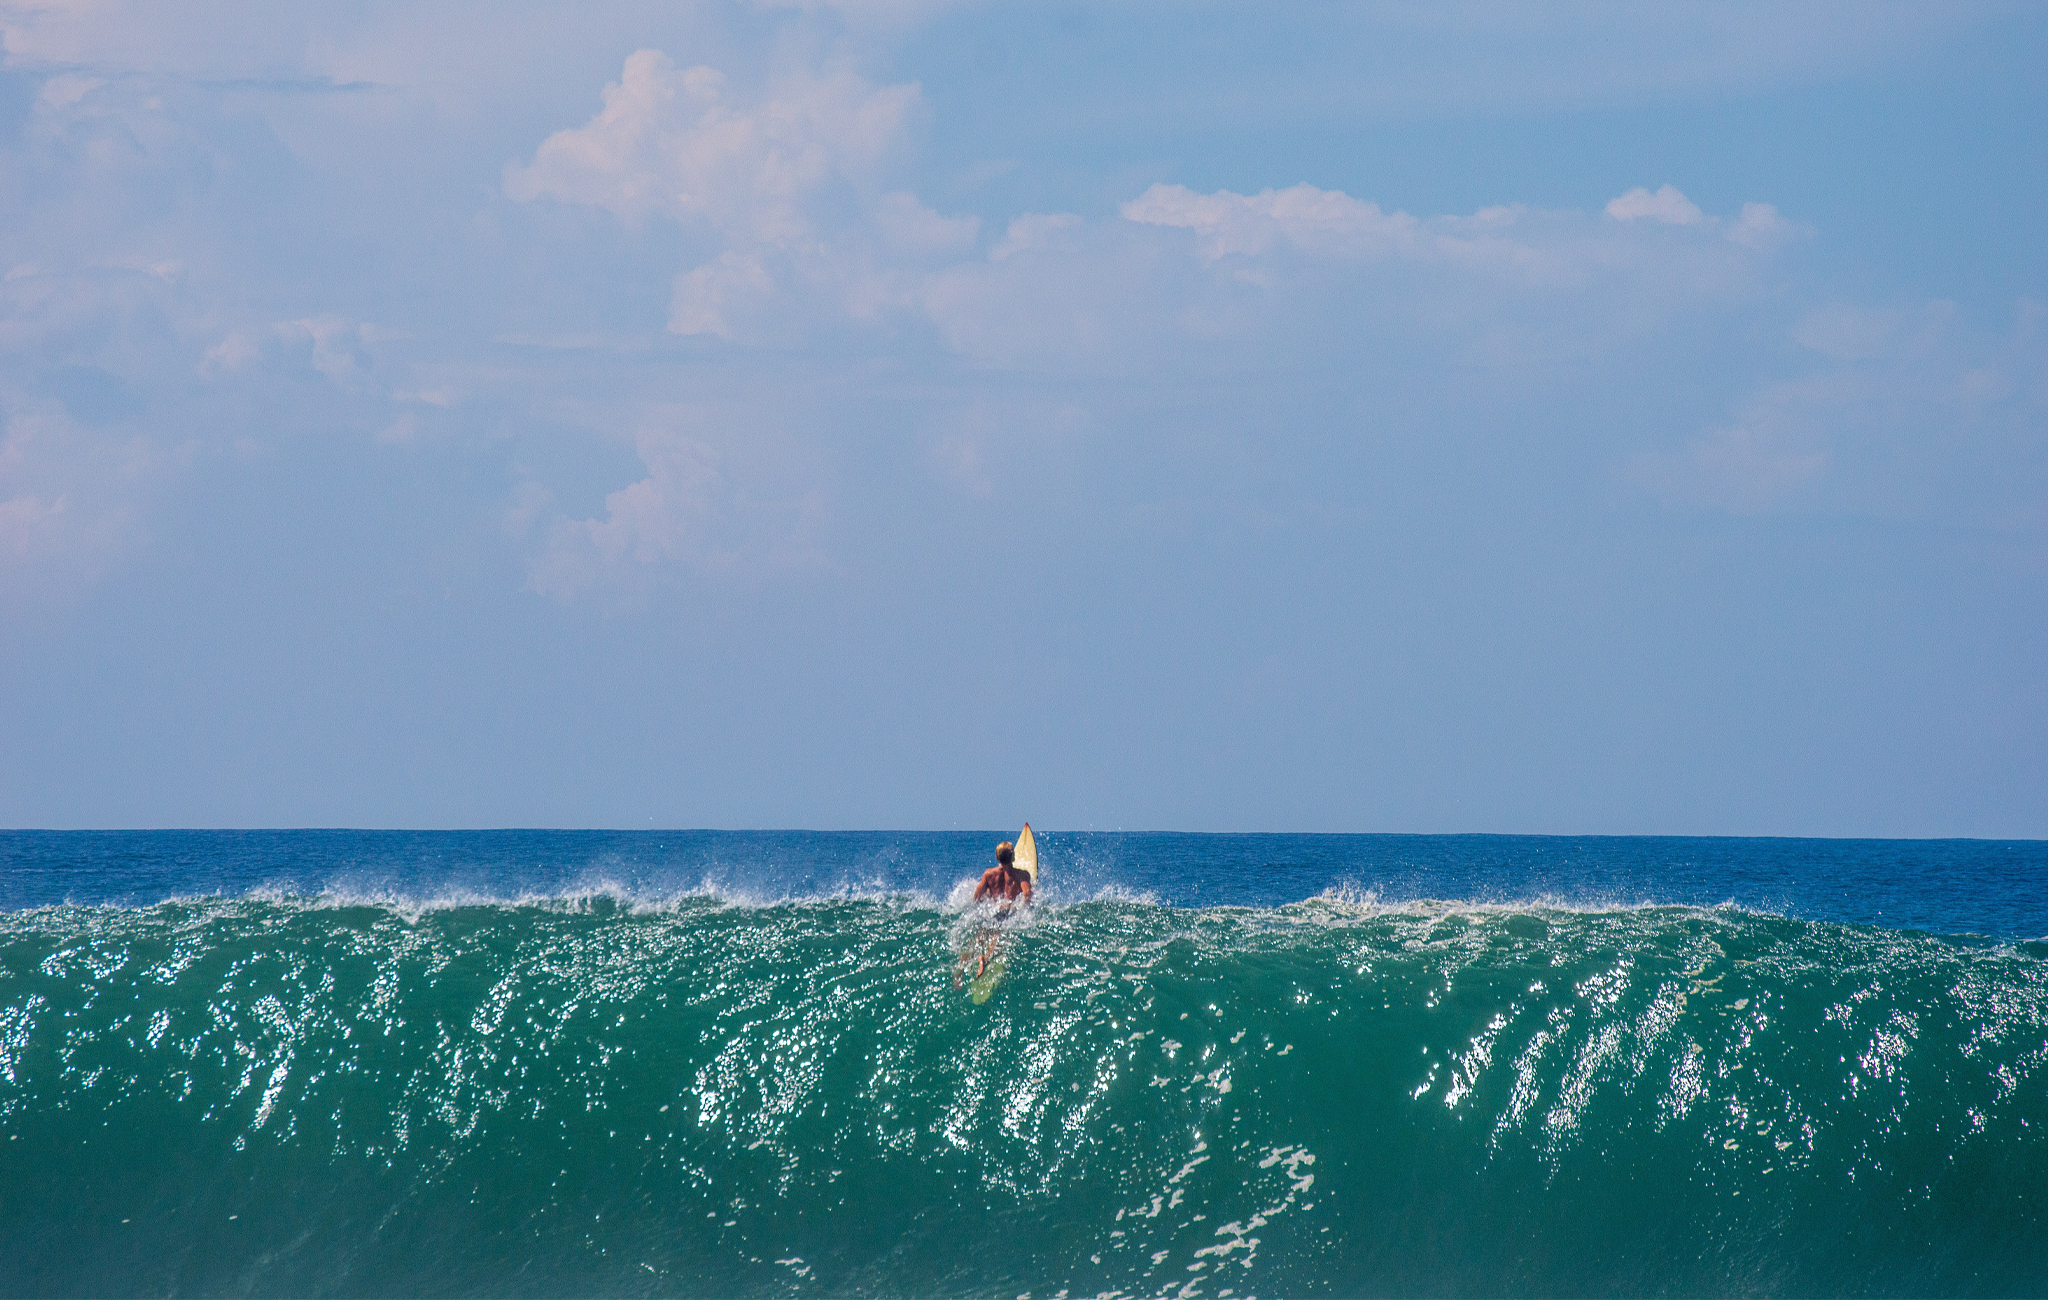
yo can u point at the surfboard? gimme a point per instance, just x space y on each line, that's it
984 984
1025 858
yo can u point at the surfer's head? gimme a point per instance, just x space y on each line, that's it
1006 853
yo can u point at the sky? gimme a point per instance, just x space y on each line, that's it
1458 417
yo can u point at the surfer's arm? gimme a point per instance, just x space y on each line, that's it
984 889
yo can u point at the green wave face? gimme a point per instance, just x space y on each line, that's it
577 1097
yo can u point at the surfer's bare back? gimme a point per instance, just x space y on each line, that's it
1003 882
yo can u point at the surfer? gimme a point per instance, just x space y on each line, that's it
1005 884
1003 881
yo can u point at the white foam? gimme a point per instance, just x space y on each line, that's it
582 897
1346 903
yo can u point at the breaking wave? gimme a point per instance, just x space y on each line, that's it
711 1093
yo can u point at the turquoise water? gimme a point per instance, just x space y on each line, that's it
592 1090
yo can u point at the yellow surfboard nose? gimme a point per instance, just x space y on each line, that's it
1027 853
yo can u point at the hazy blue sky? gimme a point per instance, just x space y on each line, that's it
1411 417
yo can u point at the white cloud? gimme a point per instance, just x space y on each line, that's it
1033 230
1913 415
669 142
237 350
796 217
704 296
61 92
208 38
400 431
115 378
1744 467
702 507
1506 285
1538 246
67 500
1060 295
787 184
338 345
1666 205
1760 227
1320 220
26 524
914 230
344 351
78 455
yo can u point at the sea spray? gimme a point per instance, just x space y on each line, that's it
291 1095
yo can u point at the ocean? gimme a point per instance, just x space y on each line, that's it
740 1064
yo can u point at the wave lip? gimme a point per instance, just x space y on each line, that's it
1993 889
